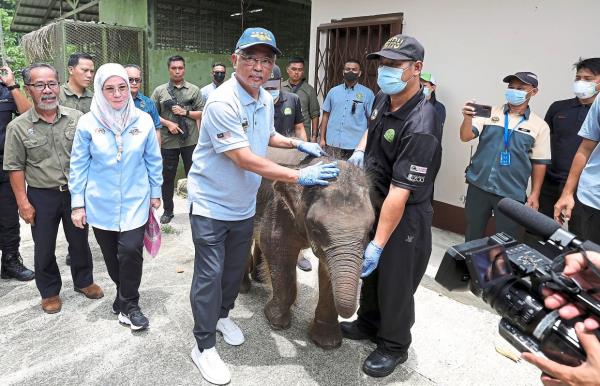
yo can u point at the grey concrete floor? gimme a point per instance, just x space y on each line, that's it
454 337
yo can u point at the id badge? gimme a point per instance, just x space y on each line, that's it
505 158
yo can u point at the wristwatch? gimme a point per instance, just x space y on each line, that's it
187 113
14 86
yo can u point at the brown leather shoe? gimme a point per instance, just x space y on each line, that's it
51 305
92 291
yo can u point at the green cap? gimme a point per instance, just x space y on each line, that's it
427 77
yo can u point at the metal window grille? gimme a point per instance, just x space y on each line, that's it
351 38
55 42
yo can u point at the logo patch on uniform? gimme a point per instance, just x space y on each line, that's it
418 169
409 238
524 130
413 178
374 114
287 111
224 136
134 131
360 96
30 131
244 126
495 119
389 135
99 130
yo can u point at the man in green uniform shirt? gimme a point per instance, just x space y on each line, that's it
75 93
37 151
179 104
297 84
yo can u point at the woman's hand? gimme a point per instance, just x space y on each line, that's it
155 203
78 217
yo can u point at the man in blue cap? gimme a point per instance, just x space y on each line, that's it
228 162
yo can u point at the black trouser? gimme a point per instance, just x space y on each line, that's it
52 207
387 307
590 223
478 209
9 220
222 249
170 162
122 253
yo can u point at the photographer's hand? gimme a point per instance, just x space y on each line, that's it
588 373
575 266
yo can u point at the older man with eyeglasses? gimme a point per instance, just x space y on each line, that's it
142 102
37 151
237 127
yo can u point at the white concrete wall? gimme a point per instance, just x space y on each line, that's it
471 45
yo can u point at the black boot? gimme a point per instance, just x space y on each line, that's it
12 267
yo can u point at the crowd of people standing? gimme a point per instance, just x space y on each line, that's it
108 158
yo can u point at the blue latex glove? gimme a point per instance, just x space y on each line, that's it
357 159
317 174
370 259
310 148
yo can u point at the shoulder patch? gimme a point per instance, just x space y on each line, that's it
374 114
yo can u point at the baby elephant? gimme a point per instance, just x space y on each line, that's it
334 221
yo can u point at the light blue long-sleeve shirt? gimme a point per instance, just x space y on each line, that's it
116 194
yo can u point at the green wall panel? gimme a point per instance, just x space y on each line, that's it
131 13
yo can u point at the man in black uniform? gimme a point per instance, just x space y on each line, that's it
403 154
11 102
565 119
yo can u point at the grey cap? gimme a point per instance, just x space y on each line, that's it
276 73
400 47
524 76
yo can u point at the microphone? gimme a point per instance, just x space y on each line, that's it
542 225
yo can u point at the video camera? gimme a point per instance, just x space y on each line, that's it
509 277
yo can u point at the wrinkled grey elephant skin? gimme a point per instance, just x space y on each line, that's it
334 221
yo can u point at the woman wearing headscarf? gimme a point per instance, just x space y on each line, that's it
116 175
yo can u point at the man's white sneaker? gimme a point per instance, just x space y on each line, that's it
211 366
231 332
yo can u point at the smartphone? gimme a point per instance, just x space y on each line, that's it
483 111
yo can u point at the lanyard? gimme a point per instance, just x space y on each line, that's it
508 133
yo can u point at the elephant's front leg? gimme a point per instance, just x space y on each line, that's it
282 269
325 329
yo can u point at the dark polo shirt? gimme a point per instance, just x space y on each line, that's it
564 119
7 109
288 113
404 148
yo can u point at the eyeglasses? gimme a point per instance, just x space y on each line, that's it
135 80
112 90
252 61
40 86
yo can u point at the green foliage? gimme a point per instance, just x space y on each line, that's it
15 56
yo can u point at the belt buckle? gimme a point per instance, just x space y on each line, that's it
63 188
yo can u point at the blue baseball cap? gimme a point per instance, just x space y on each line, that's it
254 36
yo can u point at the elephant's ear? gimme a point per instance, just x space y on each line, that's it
289 194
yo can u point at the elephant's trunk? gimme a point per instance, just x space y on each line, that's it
344 272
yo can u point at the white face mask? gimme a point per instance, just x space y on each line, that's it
584 89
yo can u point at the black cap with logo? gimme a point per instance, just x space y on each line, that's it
400 47
525 77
